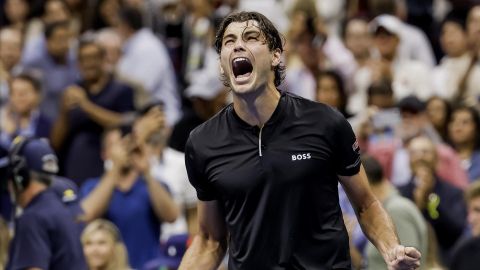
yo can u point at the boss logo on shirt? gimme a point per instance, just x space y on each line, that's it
301 156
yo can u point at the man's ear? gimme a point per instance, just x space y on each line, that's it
222 72
276 57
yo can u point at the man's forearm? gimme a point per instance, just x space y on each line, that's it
59 131
163 204
97 202
203 254
378 227
102 116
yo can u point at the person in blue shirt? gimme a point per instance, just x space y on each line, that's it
138 203
46 233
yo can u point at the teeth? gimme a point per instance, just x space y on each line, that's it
240 59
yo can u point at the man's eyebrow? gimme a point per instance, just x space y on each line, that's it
229 36
251 31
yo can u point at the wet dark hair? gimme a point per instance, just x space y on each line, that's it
272 36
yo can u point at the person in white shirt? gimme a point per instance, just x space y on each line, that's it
145 60
457 78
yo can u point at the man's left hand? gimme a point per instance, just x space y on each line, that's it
403 258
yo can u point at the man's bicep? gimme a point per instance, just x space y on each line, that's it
357 189
211 220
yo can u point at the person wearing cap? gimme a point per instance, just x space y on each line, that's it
46 234
415 43
407 76
208 97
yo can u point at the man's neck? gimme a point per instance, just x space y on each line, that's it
96 86
32 191
256 107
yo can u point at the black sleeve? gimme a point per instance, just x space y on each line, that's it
196 174
346 151
31 245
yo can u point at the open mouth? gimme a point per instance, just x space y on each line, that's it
241 67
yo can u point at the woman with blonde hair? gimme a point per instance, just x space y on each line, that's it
103 246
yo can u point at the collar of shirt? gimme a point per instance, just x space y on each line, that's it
277 114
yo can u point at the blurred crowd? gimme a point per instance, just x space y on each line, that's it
117 86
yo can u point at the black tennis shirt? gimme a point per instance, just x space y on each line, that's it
278 185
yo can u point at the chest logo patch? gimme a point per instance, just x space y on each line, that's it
301 156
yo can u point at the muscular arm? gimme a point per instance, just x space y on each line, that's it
375 222
209 245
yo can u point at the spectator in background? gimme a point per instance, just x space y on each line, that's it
208 97
168 166
393 153
46 233
331 91
137 203
106 14
21 115
409 222
441 204
414 43
10 53
146 61
378 121
55 61
466 255
464 135
473 29
111 43
103 246
313 49
198 34
96 103
439 112
457 77
53 11
408 77
17 14
358 40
